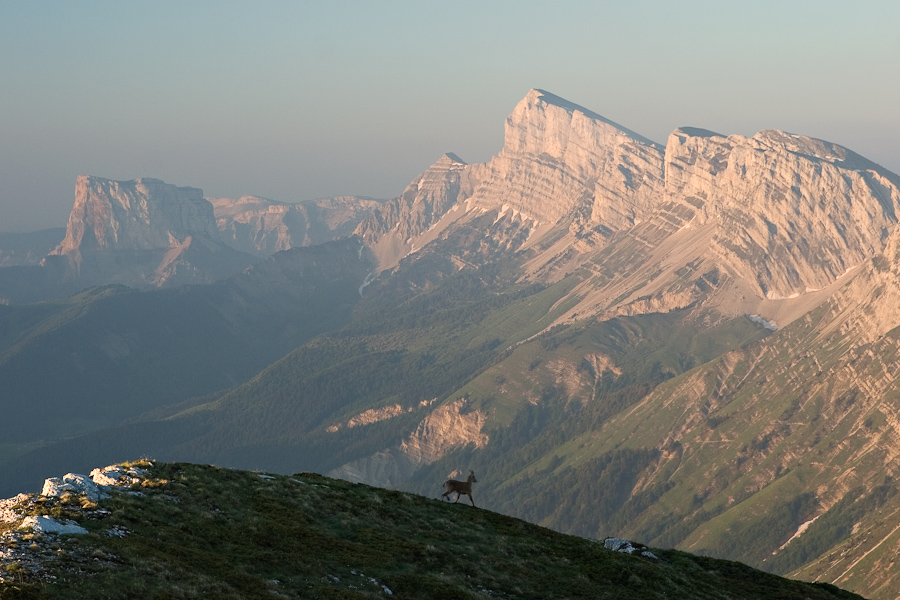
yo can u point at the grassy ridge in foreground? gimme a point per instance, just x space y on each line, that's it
200 531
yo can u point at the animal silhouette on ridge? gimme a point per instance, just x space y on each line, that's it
460 487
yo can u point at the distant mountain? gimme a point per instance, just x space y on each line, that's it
142 233
692 344
262 227
24 249
144 214
146 233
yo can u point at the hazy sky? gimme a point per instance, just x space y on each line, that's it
300 100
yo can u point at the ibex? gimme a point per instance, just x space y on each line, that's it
460 487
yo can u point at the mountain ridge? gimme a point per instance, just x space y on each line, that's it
159 529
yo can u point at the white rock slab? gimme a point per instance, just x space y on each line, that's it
75 484
51 525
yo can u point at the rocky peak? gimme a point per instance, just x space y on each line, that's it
544 122
791 213
765 218
391 229
143 232
142 214
559 157
448 161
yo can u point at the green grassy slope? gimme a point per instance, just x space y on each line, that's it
548 400
197 531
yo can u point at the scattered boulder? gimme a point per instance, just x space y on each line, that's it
117 476
51 525
73 483
628 547
108 476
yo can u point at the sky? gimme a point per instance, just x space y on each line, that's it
301 100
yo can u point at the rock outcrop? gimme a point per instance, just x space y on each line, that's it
50 525
28 540
73 483
628 547
446 428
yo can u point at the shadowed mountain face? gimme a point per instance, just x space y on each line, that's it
691 345
24 249
112 353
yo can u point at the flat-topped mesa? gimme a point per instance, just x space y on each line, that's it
792 213
143 214
558 156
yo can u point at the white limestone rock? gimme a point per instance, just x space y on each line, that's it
619 545
108 476
8 512
117 476
51 525
73 483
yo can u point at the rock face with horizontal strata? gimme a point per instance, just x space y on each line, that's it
391 229
792 213
755 219
558 157
444 429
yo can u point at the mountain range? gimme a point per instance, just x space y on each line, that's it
692 344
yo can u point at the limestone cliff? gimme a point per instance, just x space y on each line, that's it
391 230
143 232
143 214
262 227
558 157
766 225
446 428
792 213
